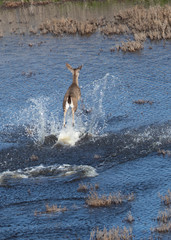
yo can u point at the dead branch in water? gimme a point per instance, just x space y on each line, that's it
140 101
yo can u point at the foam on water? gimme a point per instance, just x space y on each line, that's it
68 136
47 171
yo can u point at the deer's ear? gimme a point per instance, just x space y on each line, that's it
69 68
80 67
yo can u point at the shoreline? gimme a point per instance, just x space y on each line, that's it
136 22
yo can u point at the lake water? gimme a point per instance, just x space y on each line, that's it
114 142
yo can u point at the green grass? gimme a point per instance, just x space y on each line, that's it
100 3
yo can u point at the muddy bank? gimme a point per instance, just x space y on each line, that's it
137 23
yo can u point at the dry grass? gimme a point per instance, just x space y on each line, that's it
140 37
163 228
141 23
129 218
55 208
82 188
153 22
34 157
68 26
164 222
167 198
51 209
130 46
112 234
164 217
16 4
87 187
94 200
130 197
164 152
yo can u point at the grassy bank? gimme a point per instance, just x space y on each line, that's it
137 23
136 20
90 3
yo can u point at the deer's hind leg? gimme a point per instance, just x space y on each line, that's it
73 122
74 108
65 111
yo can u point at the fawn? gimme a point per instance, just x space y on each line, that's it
73 93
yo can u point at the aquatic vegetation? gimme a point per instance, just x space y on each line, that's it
54 208
163 228
94 200
146 20
20 3
164 152
51 209
166 199
112 234
87 187
131 46
129 218
153 23
82 188
34 157
164 217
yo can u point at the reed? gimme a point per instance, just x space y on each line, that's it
112 234
153 22
129 218
51 209
82 188
131 46
54 209
164 217
87 187
163 228
94 200
21 3
164 152
166 199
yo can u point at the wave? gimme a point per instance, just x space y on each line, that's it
110 148
64 170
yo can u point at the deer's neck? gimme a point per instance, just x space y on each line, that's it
75 79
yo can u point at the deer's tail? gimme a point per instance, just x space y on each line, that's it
69 99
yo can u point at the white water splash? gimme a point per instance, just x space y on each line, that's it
68 136
46 171
38 119
41 121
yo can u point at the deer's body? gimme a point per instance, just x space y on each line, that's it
73 93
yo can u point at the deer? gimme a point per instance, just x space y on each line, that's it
73 94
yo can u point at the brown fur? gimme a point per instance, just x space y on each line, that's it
73 93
